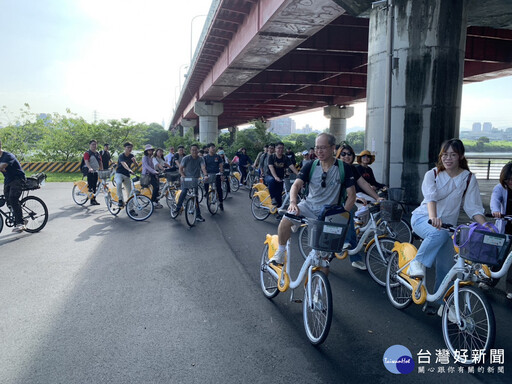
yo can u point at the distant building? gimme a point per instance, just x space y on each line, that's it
283 126
477 127
487 127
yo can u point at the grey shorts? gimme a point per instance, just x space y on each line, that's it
306 211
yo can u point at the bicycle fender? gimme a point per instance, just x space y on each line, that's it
451 289
259 187
406 252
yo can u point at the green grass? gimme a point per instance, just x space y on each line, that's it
55 176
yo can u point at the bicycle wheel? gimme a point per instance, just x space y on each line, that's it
267 281
112 206
399 230
80 193
35 213
235 184
170 199
318 315
139 208
478 327
399 295
212 202
225 190
376 265
200 194
191 211
258 211
249 181
304 247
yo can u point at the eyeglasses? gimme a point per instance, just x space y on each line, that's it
322 147
343 154
324 176
451 155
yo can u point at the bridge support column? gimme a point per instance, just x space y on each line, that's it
208 113
188 124
338 120
415 70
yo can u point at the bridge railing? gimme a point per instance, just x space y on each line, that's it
487 166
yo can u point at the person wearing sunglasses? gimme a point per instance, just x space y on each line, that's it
325 188
347 155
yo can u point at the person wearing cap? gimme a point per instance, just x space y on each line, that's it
149 169
364 159
305 158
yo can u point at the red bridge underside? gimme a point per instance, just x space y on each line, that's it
327 69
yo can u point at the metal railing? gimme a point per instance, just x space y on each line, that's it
487 166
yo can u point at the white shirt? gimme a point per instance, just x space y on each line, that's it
168 158
447 193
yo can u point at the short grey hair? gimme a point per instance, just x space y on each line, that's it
330 138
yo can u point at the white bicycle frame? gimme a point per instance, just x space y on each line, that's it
313 260
460 271
369 229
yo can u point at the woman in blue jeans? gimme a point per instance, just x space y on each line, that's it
445 188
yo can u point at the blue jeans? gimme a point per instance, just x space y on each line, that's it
437 246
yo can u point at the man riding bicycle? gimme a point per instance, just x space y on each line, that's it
191 166
14 180
123 171
325 188
214 164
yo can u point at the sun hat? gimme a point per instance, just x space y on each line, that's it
368 153
148 147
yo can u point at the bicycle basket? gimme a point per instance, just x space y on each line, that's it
211 178
326 236
172 176
190 182
483 247
34 181
145 180
104 174
390 210
396 194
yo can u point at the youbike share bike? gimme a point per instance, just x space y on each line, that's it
212 196
261 203
33 209
468 323
190 204
80 191
138 206
326 237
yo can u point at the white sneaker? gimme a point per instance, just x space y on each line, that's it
157 205
416 269
452 318
278 257
347 246
509 296
18 228
483 286
359 265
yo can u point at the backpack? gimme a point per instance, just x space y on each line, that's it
82 164
341 169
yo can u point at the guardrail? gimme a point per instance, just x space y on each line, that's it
487 166
56 166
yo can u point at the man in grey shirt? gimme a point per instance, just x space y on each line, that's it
191 166
324 189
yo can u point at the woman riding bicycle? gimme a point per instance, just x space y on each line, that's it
501 205
149 169
445 188
346 153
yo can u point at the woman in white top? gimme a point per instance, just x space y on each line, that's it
444 189
159 161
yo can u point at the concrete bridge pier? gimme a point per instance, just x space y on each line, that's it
208 113
415 71
338 120
188 124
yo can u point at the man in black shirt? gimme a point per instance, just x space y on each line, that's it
214 165
105 156
277 165
123 171
14 180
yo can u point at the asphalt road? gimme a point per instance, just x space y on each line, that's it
100 299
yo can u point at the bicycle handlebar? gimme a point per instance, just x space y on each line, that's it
449 227
507 218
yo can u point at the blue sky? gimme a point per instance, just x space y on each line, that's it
125 58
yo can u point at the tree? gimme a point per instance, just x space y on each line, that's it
156 135
356 141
